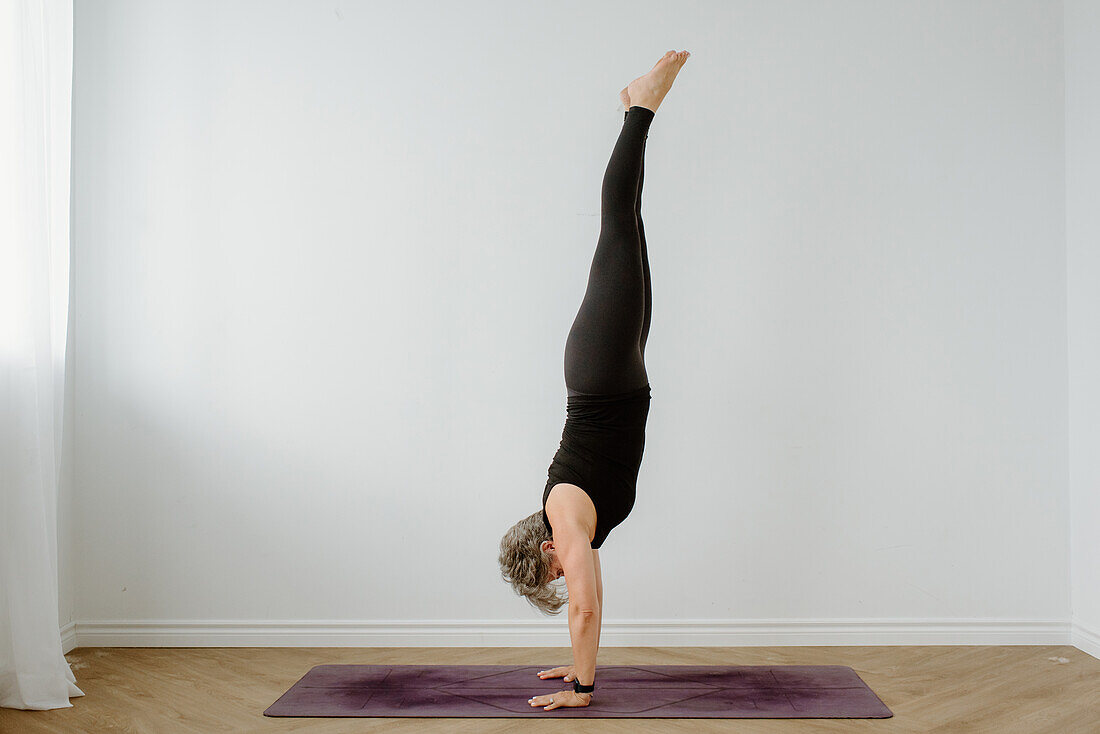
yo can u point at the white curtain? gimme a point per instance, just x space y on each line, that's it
36 53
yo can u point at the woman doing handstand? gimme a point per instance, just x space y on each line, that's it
592 479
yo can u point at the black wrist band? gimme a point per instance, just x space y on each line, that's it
578 688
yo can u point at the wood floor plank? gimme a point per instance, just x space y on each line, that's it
1009 689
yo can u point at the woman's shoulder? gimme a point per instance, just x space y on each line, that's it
570 506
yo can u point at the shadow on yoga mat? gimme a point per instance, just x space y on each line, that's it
622 692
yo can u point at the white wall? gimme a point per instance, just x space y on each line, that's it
1082 42
326 256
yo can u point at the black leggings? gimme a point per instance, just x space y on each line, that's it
605 349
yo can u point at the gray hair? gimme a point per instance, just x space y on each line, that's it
525 566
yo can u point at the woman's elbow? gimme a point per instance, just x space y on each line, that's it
591 609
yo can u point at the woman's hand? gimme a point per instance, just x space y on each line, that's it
569 671
561 698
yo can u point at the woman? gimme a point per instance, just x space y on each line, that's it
592 478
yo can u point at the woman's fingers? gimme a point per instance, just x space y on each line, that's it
555 672
561 698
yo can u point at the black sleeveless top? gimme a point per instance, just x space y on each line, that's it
600 452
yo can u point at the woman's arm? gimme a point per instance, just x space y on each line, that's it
599 595
578 563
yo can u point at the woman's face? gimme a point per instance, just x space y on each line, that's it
556 571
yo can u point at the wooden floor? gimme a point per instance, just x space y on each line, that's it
956 689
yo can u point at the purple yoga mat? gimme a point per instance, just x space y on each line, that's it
622 692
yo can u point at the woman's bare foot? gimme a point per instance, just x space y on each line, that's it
650 89
625 99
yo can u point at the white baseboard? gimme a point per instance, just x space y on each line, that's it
1084 639
68 637
555 633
